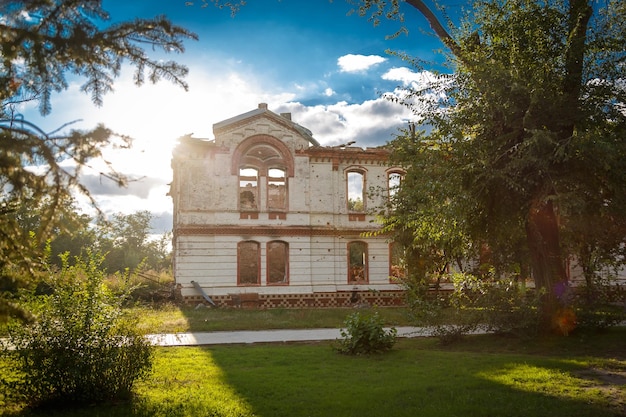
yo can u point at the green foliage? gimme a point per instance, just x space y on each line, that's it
502 306
146 286
43 42
599 304
355 204
475 303
364 334
421 216
81 348
521 146
126 241
446 317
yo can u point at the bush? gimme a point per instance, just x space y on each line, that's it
501 306
81 349
599 305
365 334
148 286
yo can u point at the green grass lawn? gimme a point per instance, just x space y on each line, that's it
172 318
581 375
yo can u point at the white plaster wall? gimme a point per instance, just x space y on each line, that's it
206 195
315 264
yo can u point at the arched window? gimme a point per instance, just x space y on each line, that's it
394 178
357 263
277 263
276 189
248 263
272 165
356 191
248 189
397 266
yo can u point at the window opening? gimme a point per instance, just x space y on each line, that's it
276 189
356 192
277 262
397 267
357 262
248 263
248 189
393 184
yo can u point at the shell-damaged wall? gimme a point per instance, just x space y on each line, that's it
263 215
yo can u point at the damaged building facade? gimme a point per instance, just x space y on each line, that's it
264 216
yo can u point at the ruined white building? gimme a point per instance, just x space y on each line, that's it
265 216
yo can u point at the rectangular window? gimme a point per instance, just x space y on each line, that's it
248 263
248 189
276 189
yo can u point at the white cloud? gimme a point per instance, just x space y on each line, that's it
410 78
156 115
371 123
424 91
356 63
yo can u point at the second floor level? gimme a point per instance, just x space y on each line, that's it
262 167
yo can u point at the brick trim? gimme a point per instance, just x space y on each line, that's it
345 299
268 231
282 149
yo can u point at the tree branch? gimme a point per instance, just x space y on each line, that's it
436 25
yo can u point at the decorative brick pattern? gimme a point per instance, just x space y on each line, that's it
316 300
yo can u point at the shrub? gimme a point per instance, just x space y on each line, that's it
148 286
81 349
365 334
501 306
599 304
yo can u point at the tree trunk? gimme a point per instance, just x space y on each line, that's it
542 233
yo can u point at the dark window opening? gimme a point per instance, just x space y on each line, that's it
357 263
397 267
277 263
248 261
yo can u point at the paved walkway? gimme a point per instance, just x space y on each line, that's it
263 336
259 336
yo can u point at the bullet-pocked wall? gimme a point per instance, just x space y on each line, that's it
266 217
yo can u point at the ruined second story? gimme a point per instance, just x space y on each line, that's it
264 170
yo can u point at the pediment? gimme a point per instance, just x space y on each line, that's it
259 117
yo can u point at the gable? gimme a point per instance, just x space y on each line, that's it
261 121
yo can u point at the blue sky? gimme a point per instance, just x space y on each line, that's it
307 57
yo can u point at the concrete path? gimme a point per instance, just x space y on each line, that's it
263 336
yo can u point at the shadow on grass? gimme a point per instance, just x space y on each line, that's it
184 382
409 381
417 378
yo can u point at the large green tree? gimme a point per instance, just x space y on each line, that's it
527 134
42 43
